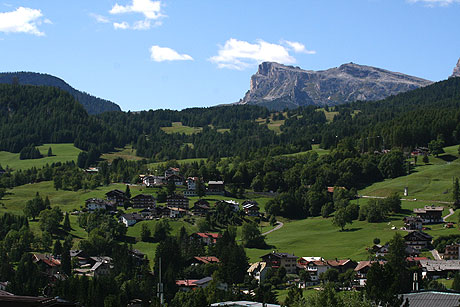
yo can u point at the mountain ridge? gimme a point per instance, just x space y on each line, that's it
278 86
92 104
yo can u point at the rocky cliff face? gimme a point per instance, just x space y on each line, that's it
456 72
277 86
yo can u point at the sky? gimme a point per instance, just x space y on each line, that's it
176 54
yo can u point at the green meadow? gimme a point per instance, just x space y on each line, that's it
61 153
126 153
430 182
177 127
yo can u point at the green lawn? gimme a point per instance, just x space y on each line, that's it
177 127
127 153
61 153
314 147
431 182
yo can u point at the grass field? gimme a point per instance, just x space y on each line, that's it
315 147
127 153
61 153
427 182
177 127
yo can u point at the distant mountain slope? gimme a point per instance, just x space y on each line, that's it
92 105
278 86
456 72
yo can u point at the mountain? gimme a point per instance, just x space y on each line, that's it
456 72
278 86
92 105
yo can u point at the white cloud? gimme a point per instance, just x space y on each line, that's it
432 3
161 54
150 9
121 25
298 47
22 20
100 18
236 54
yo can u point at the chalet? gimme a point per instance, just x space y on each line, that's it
383 251
235 206
80 255
143 201
190 193
418 239
251 208
139 257
92 170
192 183
117 197
203 260
152 181
215 188
176 179
93 204
430 214
207 238
342 265
258 270
439 268
361 271
101 269
177 201
47 263
131 219
279 260
201 207
172 171
413 223
452 252
176 213
314 267
191 284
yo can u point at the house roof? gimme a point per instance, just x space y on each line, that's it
186 282
338 262
362 264
207 259
213 235
257 266
432 298
132 217
419 234
201 202
143 196
279 255
116 192
203 281
216 182
243 304
428 209
440 265
309 259
47 259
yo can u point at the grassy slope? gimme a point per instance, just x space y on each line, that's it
61 153
177 127
127 153
428 182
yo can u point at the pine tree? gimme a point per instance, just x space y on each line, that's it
127 192
456 283
67 222
57 248
456 192
50 152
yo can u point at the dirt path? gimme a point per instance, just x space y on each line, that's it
435 254
278 226
451 211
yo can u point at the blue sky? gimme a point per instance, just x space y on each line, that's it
175 54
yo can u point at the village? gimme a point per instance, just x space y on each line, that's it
302 271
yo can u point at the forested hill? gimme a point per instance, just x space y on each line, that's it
93 105
33 115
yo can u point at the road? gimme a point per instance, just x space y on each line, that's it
278 226
451 211
435 254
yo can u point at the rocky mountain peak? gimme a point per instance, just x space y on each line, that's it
456 72
279 86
